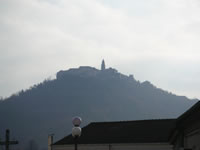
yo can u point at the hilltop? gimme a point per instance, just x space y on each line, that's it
93 94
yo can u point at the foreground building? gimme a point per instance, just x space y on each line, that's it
164 134
187 132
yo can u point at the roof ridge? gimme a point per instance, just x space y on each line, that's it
124 121
187 112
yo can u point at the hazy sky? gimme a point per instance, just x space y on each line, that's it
155 40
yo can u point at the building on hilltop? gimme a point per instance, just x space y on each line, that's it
103 66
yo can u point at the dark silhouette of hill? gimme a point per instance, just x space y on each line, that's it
95 95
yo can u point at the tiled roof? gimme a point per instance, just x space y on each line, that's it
142 131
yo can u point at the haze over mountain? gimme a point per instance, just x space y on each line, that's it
93 94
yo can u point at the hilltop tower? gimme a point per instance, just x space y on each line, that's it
103 66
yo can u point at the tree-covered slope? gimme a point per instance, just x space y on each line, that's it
95 95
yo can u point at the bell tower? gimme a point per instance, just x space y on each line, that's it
103 66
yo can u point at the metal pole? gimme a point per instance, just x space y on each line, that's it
75 143
75 146
7 139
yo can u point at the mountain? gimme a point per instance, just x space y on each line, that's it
94 95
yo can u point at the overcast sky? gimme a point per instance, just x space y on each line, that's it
155 40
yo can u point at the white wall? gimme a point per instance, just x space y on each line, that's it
143 146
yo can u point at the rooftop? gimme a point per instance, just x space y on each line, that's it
140 131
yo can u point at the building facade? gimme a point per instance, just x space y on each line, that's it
187 132
163 134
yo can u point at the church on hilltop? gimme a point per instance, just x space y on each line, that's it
87 71
103 66
182 133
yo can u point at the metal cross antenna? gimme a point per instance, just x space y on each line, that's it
7 142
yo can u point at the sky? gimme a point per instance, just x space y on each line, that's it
155 40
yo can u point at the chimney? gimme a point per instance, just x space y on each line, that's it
50 141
